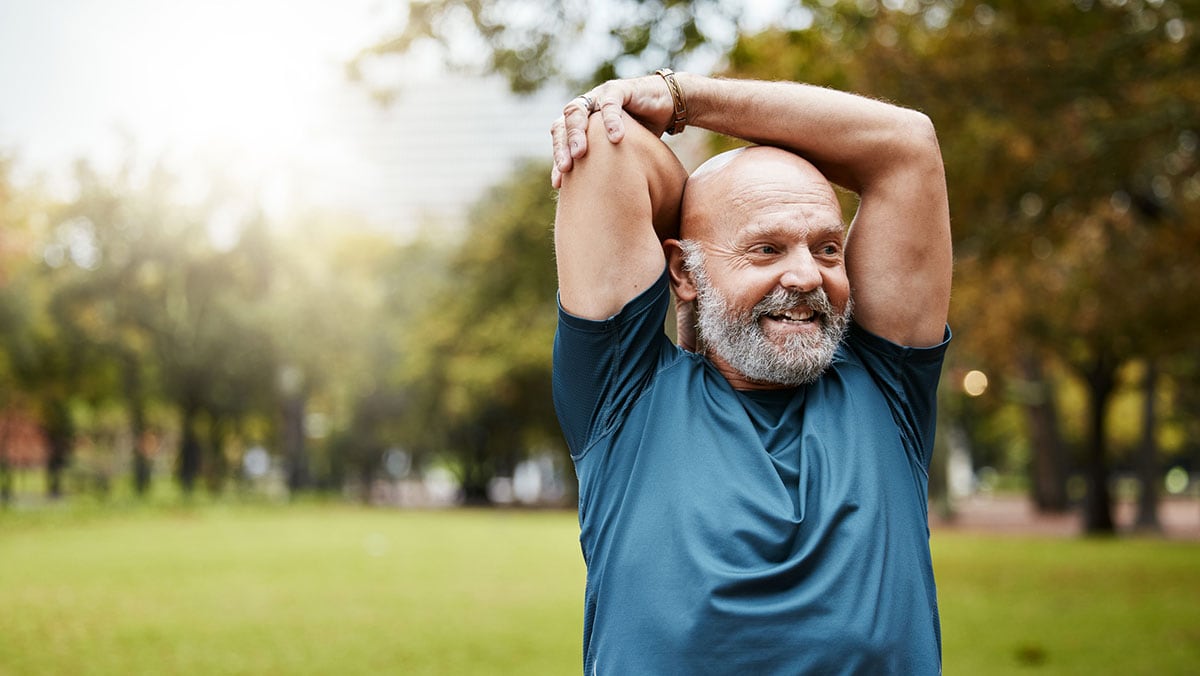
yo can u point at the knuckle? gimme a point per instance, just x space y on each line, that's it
574 107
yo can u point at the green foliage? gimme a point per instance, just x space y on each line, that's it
477 366
531 42
128 325
123 300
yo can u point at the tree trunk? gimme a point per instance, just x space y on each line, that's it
216 468
141 454
132 378
189 450
6 487
1147 458
1047 467
476 470
293 442
59 433
1097 508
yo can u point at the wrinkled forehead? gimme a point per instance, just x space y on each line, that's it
744 187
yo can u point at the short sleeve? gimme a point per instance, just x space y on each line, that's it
909 377
601 367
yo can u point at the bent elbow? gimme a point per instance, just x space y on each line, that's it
921 137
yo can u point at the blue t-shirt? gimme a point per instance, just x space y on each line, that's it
728 532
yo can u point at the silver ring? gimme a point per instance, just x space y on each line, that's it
590 104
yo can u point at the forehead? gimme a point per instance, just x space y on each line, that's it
769 193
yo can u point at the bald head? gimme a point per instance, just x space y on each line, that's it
721 192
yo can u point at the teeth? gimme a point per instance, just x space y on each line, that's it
796 315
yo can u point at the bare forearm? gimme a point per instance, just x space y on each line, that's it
854 140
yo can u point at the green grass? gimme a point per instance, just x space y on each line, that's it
337 590
329 590
1063 607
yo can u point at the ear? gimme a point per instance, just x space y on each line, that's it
681 279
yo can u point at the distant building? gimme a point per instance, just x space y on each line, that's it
432 151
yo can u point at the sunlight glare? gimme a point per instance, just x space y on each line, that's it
975 383
249 75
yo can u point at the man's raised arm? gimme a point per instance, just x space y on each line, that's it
614 207
898 255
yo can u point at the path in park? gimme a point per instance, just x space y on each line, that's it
1180 518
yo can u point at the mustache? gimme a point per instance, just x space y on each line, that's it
780 300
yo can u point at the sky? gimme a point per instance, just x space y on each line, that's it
258 87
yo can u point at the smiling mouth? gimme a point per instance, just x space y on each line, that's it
795 315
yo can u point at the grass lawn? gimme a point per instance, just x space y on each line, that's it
1063 607
339 590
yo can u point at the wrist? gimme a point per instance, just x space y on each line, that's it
696 94
679 106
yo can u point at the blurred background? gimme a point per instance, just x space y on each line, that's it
277 252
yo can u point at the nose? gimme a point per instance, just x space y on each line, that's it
801 272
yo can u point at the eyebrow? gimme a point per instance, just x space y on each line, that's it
821 230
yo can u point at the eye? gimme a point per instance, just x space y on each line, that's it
829 249
765 249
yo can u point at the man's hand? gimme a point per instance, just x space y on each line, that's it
647 99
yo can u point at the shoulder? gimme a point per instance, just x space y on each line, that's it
611 208
860 339
901 373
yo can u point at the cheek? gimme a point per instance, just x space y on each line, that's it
837 287
742 290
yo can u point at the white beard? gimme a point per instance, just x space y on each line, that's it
740 341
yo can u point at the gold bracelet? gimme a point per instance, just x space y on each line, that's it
681 113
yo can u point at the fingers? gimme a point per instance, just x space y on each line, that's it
569 133
610 113
568 136
575 117
562 156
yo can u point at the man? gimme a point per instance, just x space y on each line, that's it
757 506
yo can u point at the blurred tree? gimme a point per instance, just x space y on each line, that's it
98 304
334 331
531 42
141 291
48 362
43 363
15 249
354 293
477 368
158 301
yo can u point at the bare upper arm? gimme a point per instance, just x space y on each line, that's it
610 206
898 255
